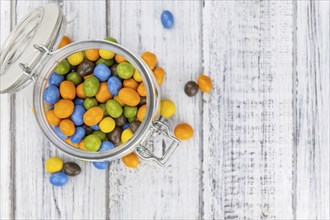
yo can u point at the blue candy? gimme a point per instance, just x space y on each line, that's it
78 135
59 132
102 72
101 165
78 115
95 127
78 101
51 94
58 179
55 79
167 19
106 145
125 126
114 85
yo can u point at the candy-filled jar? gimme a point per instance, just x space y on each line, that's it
30 55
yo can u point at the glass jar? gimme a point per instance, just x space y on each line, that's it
28 55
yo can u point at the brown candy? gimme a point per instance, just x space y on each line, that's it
113 69
121 120
191 88
134 125
143 100
114 136
86 68
72 169
88 130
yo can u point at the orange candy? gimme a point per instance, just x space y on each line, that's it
72 144
80 92
67 90
63 108
92 54
52 119
159 74
65 41
142 90
86 77
150 59
183 131
103 94
204 83
141 112
119 59
131 83
67 127
82 145
93 116
129 96
131 160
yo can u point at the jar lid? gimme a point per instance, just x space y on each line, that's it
43 27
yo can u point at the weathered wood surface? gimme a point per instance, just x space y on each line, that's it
261 145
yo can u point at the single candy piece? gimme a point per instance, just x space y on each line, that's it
183 131
63 108
86 68
119 59
76 58
141 112
59 133
114 85
129 96
143 101
126 135
131 160
106 62
52 119
113 69
82 146
68 90
80 91
55 79
125 70
54 164
78 115
191 88
92 143
136 76
67 127
111 39
58 179
204 83
63 67
92 54
132 119
101 165
68 141
142 90
115 136
167 108
93 116
134 125
150 59
51 94
90 102
88 130
100 134
78 101
130 83
91 86
107 124
113 108
103 94
167 19
75 78
106 54
125 126
102 72
78 135
121 120
130 112
71 169
159 74
64 41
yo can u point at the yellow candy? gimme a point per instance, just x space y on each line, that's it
54 164
126 135
107 125
167 108
76 58
137 76
105 54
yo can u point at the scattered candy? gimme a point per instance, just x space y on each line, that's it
167 108
167 19
54 164
191 88
58 179
131 160
204 83
65 41
71 169
183 131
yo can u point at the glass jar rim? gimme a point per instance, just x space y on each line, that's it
46 66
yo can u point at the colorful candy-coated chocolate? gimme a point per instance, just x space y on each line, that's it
167 19
51 94
58 179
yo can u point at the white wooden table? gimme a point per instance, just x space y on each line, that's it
261 144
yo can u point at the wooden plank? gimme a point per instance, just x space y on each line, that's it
6 149
151 191
247 119
84 196
312 110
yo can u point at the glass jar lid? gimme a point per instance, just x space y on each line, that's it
43 26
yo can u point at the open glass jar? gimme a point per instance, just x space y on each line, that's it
28 55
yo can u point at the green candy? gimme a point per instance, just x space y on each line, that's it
75 78
104 61
92 143
102 106
132 119
113 108
90 102
130 112
63 67
111 39
125 70
100 134
91 86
